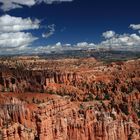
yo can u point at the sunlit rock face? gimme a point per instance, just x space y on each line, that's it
69 99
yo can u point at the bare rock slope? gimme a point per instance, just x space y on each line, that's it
69 99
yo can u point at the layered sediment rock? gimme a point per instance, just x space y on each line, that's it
57 118
96 102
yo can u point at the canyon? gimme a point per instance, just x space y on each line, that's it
69 99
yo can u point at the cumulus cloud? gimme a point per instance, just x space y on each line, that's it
13 24
116 42
47 49
125 41
135 26
122 41
58 47
13 39
13 4
85 45
52 1
50 32
17 41
108 34
12 35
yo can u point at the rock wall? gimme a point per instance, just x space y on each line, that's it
98 103
57 118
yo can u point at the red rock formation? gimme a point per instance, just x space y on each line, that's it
99 102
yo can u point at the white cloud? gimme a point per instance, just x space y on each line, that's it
12 35
67 45
52 1
85 45
50 32
122 41
82 44
13 24
63 47
135 26
15 40
18 40
13 4
47 49
58 46
108 34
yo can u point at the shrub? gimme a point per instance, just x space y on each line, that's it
107 96
138 114
81 106
89 97
97 98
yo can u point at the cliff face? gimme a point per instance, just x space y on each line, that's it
96 102
51 117
82 83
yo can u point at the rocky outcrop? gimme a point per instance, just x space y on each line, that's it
57 118
96 102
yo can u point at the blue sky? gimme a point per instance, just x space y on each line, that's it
75 21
